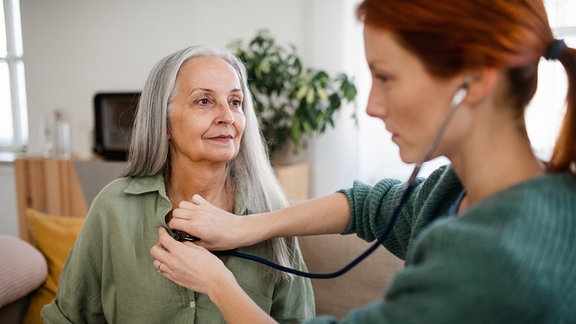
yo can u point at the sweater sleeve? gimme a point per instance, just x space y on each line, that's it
372 207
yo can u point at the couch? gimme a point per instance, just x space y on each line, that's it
29 272
361 285
22 270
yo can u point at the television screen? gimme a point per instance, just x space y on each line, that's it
114 119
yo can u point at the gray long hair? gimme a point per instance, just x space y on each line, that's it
250 172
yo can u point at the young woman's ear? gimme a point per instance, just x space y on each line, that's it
481 83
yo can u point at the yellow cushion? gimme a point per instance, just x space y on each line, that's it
54 236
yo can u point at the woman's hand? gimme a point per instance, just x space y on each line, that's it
188 265
219 230
215 228
195 268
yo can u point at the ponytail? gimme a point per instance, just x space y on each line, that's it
564 154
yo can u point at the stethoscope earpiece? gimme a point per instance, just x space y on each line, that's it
467 81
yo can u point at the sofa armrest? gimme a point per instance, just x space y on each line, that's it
22 269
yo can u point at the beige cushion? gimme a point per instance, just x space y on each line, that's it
358 287
22 269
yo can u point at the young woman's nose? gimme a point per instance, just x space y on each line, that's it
376 107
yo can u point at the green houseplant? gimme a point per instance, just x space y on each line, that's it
290 100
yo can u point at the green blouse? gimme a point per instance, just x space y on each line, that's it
109 275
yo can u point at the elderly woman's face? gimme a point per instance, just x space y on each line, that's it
206 118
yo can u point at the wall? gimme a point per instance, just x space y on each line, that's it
333 39
74 49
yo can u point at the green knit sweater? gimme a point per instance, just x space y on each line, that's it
508 259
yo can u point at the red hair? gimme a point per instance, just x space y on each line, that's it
451 36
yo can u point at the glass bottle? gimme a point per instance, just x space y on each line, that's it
61 137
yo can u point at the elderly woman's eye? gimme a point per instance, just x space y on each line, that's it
203 101
236 103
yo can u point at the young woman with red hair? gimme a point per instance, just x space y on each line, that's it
489 238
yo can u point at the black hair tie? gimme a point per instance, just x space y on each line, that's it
555 49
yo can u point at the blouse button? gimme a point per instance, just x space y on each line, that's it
192 304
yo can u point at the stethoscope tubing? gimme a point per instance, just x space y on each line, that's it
409 187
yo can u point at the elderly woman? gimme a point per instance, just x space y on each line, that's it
195 133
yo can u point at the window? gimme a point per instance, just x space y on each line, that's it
13 117
545 113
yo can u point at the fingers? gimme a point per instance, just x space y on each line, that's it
189 217
186 204
186 264
166 245
199 200
206 222
186 210
166 239
158 265
161 251
196 200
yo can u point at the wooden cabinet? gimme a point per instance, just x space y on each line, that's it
47 185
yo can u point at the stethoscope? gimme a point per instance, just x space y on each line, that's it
408 188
